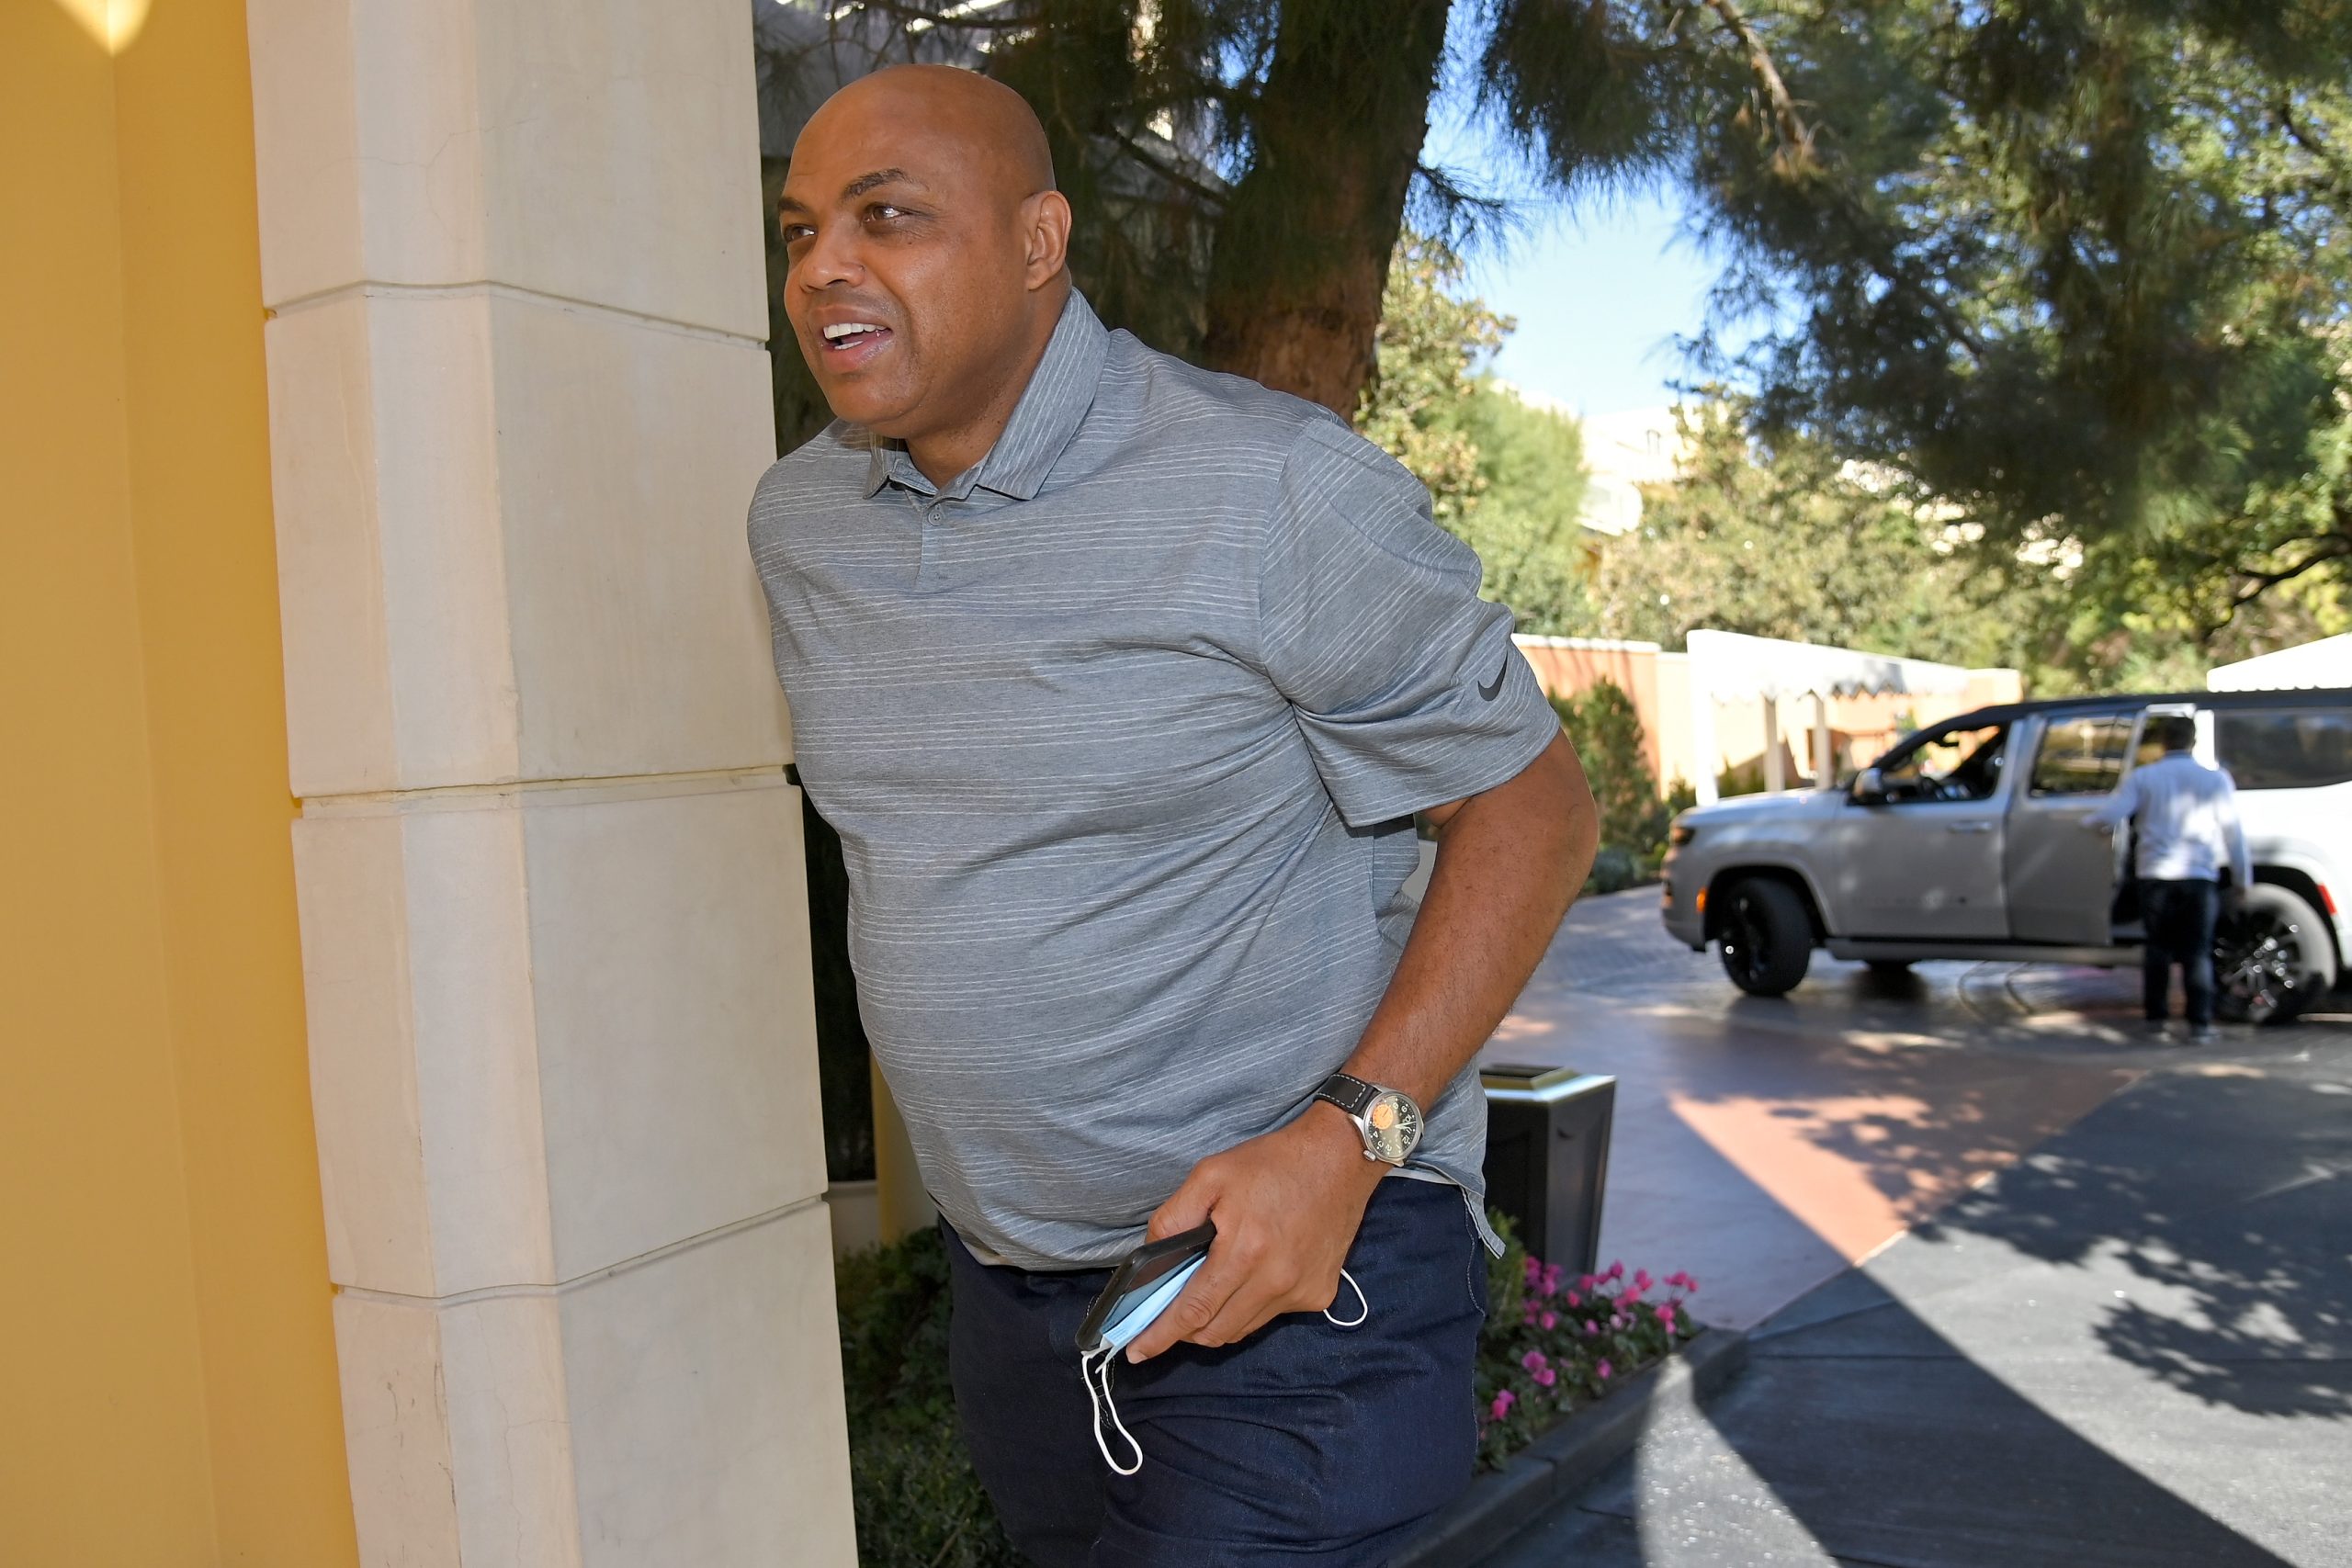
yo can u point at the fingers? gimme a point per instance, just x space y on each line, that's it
1203 1297
1185 1208
1253 1305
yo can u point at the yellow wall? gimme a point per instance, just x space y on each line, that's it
167 1379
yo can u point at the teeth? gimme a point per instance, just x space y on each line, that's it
835 333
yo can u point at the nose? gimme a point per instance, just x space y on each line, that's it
829 257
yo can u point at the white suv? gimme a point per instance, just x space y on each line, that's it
1966 841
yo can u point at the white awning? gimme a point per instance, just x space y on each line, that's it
2327 662
1735 667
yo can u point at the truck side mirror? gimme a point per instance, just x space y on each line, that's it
1869 789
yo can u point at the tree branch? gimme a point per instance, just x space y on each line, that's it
1796 137
2339 175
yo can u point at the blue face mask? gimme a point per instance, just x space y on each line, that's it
1096 1364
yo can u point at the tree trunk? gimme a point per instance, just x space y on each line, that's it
1303 248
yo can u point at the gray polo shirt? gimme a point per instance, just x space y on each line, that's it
1123 730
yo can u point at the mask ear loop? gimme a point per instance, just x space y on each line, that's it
1361 1300
1088 1368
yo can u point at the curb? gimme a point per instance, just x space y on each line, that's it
1500 1503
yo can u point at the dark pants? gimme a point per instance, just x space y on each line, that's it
1305 1444
2179 918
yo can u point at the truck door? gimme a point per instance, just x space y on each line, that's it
1922 860
2061 873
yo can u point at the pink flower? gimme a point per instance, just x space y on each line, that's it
1641 1279
1591 1328
1574 1300
1616 1271
1587 1281
1666 1313
1532 1360
1546 1376
1551 1320
1678 1280
1603 1370
1616 1320
1534 1270
1501 1406
1552 1279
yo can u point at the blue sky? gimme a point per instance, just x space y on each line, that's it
1599 297
1600 289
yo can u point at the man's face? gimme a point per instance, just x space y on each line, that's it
907 266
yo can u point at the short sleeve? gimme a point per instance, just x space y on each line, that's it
1405 682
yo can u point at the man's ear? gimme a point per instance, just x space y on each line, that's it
1045 224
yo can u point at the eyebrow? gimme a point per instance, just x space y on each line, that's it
871 180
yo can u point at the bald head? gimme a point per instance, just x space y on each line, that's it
927 247
991 125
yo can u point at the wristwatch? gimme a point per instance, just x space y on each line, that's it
1389 1120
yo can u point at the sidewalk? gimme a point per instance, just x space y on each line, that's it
2132 1349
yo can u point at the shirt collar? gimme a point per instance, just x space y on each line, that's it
1052 407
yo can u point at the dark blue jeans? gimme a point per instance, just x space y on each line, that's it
2178 917
1305 1444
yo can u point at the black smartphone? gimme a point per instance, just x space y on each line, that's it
1141 1272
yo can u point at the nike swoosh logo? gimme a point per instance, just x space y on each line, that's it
1491 693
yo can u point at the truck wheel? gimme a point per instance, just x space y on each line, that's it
2273 960
1767 937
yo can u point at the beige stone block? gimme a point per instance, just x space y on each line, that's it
605 152
404 1497
511 545
391 577
513 1459
555 1028
684 1410
677 1034
352 895
714 1374
627 456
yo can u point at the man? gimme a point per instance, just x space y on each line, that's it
2187 818
1122 682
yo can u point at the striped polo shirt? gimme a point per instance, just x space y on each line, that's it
1123 730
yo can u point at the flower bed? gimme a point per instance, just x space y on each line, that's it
1554 1343
1550 1346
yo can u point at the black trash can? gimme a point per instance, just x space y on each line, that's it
1547 1157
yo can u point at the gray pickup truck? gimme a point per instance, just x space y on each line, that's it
1967 840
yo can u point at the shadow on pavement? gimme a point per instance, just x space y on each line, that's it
2132 1350
2227 1194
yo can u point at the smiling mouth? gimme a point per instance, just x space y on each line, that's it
850 342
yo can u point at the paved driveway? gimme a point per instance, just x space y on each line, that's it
1765 1145
2103 1310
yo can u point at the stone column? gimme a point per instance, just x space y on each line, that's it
555 937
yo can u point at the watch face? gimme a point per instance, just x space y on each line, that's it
1396 1126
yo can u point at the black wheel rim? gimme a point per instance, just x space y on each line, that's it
2258 964
1745 951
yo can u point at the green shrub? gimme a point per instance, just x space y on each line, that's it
1601 723
917 1502
1615 869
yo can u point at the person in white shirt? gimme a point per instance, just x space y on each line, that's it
2189 831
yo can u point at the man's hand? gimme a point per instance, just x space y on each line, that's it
1287 1206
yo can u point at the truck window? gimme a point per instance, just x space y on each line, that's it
1961 764
2083 755
2285 749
